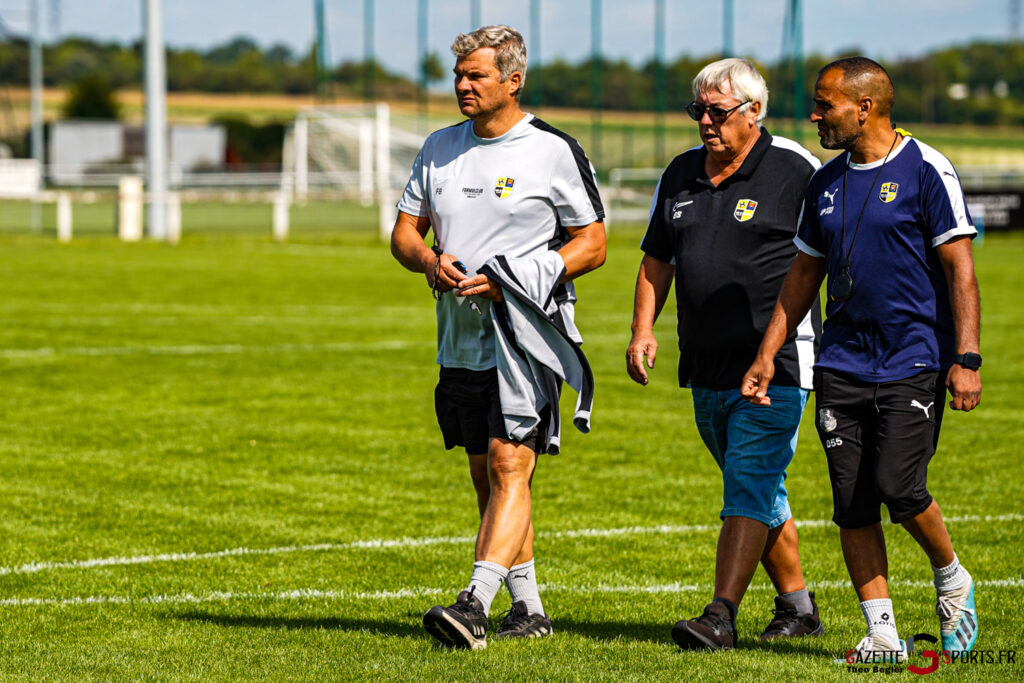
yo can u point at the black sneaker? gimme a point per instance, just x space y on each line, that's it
463 625
788 624
518 623
712 630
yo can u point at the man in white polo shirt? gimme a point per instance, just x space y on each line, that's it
502 183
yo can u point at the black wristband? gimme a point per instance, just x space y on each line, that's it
971 361
437 250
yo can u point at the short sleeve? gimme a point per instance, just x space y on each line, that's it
944 205
574 188
412 199
657 242
808 235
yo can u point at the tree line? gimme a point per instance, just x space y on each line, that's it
982 82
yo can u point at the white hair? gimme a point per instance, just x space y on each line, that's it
744 82
509 49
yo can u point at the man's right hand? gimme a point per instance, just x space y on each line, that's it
642 346
754 387
448 276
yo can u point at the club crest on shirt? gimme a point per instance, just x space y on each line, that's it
888 192
827 420
744 210
504 187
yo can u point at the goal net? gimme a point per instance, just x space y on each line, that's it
352 151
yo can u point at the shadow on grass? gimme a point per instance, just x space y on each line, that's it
661 633
412 628
813 647
390 627
613 630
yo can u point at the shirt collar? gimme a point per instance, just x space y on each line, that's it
755 154
878 162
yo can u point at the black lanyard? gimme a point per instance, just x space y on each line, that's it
841 286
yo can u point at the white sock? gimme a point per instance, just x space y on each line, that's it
522 585
881 622
951 577
486 582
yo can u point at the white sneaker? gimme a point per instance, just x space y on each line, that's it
875 649
958 622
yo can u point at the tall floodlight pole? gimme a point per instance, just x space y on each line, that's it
369 62
535 75
422 36
474 14
156 120
596 77
320 77
799 109
659 82
36 86
727 28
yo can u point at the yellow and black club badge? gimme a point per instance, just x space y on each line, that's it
888 192
504 187
744 210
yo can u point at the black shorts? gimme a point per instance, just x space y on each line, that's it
468 411
878 439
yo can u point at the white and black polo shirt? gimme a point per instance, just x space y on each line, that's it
511 195
732 246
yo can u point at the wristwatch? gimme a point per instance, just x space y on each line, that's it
971 361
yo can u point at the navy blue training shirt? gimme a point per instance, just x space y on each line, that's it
897 322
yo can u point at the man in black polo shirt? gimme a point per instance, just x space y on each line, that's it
722 221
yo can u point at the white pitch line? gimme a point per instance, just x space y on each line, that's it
405 593
220 596
211 349
35 567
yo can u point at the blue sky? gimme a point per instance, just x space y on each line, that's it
880 28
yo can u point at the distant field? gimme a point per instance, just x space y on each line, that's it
220 461
627 139
246 218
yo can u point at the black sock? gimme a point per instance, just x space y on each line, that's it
733 610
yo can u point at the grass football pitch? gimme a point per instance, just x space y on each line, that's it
220 461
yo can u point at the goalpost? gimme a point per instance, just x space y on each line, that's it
353 151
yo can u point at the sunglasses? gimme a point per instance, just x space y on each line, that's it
696 111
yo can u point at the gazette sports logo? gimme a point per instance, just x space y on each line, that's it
504 187
744 210
888 192
895 661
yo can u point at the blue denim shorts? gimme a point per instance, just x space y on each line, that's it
753 445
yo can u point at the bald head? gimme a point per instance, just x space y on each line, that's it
863 77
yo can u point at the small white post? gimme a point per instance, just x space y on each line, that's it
129 209
388 214
281 206
365 162
383 136
173 217
64 217
301 157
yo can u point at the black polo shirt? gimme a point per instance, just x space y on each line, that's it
732 245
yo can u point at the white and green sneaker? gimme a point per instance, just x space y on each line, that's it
958 623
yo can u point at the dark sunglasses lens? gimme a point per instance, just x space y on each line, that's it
696 111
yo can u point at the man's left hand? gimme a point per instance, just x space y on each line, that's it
482 286
965 386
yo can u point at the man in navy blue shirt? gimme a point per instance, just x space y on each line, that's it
888 224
